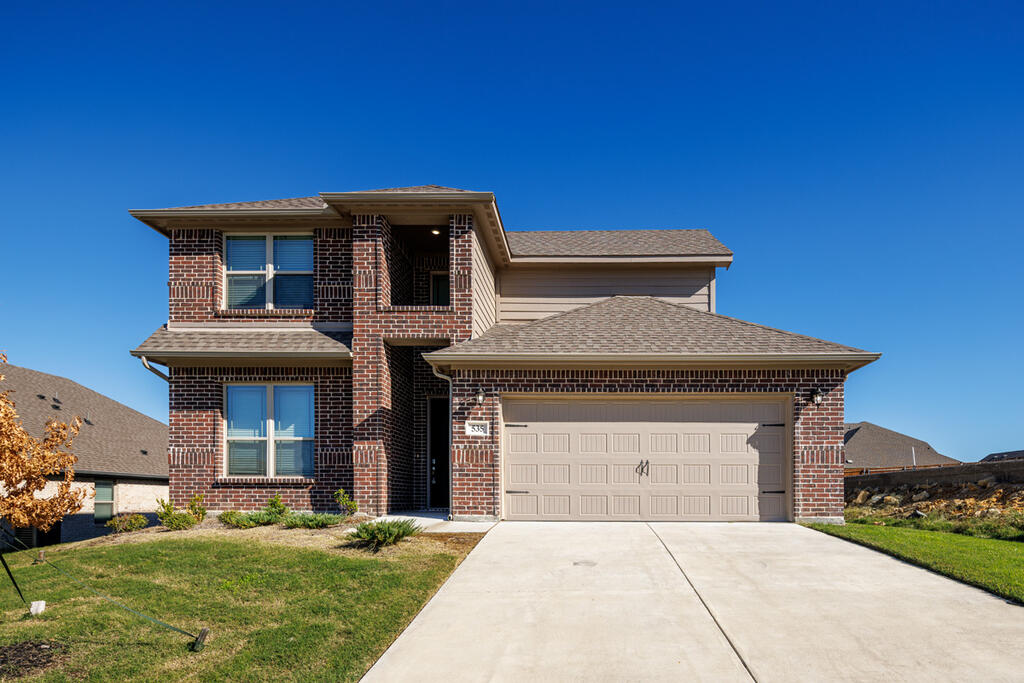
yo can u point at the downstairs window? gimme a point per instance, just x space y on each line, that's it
269 430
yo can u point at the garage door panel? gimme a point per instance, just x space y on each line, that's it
622 459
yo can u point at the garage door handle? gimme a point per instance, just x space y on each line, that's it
507 491
783 491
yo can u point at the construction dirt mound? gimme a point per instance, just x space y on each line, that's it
983 498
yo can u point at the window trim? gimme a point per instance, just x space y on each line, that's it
430 279
268 272
270 437
112 502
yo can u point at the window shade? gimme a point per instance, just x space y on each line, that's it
247 411
293 458
246 253
247 291
293 253
293 291
293 411
104 491
247 458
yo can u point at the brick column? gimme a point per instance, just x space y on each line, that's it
368 366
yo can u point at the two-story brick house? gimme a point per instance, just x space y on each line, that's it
402 345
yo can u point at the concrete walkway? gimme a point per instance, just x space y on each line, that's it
715 602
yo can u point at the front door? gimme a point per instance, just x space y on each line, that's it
438 453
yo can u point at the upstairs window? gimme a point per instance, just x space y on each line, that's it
440 289
269 430
269 271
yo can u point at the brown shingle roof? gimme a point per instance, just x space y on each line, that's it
115 439
615 243
420 188
290 203
627 325
166 343
868 445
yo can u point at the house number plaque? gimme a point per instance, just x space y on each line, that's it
478 428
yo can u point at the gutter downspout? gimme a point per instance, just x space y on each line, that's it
145 364
451 436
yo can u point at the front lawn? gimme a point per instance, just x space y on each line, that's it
995 565
275 611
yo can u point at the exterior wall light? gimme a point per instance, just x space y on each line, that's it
817 395
480 397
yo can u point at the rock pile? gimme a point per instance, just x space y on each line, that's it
955 501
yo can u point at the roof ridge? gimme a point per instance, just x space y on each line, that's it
759 326
578 230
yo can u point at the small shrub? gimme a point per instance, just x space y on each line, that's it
348 506
376 535
164 509
179 521
126 523
276 507
263 517
237 519
196 508
172 518
311 520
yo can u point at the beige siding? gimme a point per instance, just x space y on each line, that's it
483 287
532 293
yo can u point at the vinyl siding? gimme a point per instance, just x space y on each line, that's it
532 293
483 288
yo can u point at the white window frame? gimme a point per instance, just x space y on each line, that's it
270 436
268 271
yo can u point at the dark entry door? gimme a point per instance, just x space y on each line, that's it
438 455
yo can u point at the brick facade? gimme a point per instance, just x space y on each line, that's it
196 439
371 419
818 430
196 279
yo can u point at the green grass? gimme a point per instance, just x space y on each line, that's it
992 564
275 612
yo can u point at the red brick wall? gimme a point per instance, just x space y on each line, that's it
196 432
196 271
817 431
379 454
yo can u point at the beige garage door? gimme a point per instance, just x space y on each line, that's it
690 460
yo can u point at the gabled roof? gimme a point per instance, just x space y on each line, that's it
648 242
421 189
166 345
290 203
868 445
650 331
114 439
1005 455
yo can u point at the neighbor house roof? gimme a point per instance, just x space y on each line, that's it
1005 455
114 439
655 242
868 445
169 344
643 329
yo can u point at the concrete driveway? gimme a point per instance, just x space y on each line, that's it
722 602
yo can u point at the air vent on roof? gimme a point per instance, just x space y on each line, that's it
42 396
143 451
86 420
55 406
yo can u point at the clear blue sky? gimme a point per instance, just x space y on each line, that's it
865 161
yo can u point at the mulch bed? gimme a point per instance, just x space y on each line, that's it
21 659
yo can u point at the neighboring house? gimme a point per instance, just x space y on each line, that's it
122 454
870 448
1006 455
339 340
